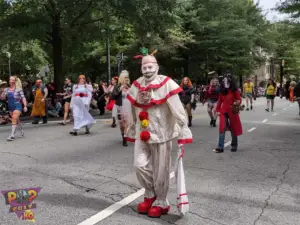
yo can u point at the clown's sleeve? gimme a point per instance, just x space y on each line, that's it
175 105
177 110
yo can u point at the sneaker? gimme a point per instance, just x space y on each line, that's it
211 122
218 150
87 132
267 110
247 109
63 123
10 138
251 107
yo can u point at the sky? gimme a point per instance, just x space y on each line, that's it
268 5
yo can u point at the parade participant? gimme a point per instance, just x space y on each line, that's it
80 105
297 94
270 94
228 110
67 95
39 109
122 104
211 97
291 91
100 97
111 104
15 95
248 93
187 97
158 118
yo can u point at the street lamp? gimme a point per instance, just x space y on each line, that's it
8 54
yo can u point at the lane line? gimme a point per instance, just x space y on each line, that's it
252 129
126 201
227 144
265 120
115 207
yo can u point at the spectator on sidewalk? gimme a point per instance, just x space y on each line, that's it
54 108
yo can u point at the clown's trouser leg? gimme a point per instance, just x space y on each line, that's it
153 162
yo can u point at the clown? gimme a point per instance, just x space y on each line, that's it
228 109
80 104
158 119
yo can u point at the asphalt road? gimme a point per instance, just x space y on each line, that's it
82 176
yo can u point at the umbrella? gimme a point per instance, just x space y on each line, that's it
182 198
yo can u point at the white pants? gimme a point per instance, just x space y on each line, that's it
153 163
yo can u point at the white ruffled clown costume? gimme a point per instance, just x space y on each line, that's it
158 119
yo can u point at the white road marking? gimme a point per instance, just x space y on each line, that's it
275 114
265 120
252 129
115 207
227 144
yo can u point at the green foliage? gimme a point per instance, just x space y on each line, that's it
192 36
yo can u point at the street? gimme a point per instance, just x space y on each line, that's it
84 175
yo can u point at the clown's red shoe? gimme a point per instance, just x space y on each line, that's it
157 211
144 206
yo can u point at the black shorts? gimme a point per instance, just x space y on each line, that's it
67 100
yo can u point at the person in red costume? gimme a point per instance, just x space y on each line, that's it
158 119
228 109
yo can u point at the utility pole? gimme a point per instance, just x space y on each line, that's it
281 73
108 56
120 58
8 54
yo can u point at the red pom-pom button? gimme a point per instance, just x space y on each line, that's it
143 116
145 135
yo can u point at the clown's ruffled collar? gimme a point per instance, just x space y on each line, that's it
157 92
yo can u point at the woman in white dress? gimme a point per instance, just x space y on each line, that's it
122 104
80 105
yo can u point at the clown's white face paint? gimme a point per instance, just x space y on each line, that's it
149 70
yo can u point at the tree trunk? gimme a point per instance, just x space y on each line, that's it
57 53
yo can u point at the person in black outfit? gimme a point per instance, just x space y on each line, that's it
100 97
67 96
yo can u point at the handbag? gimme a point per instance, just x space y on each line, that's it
110 105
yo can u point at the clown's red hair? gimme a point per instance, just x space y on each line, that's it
189 82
